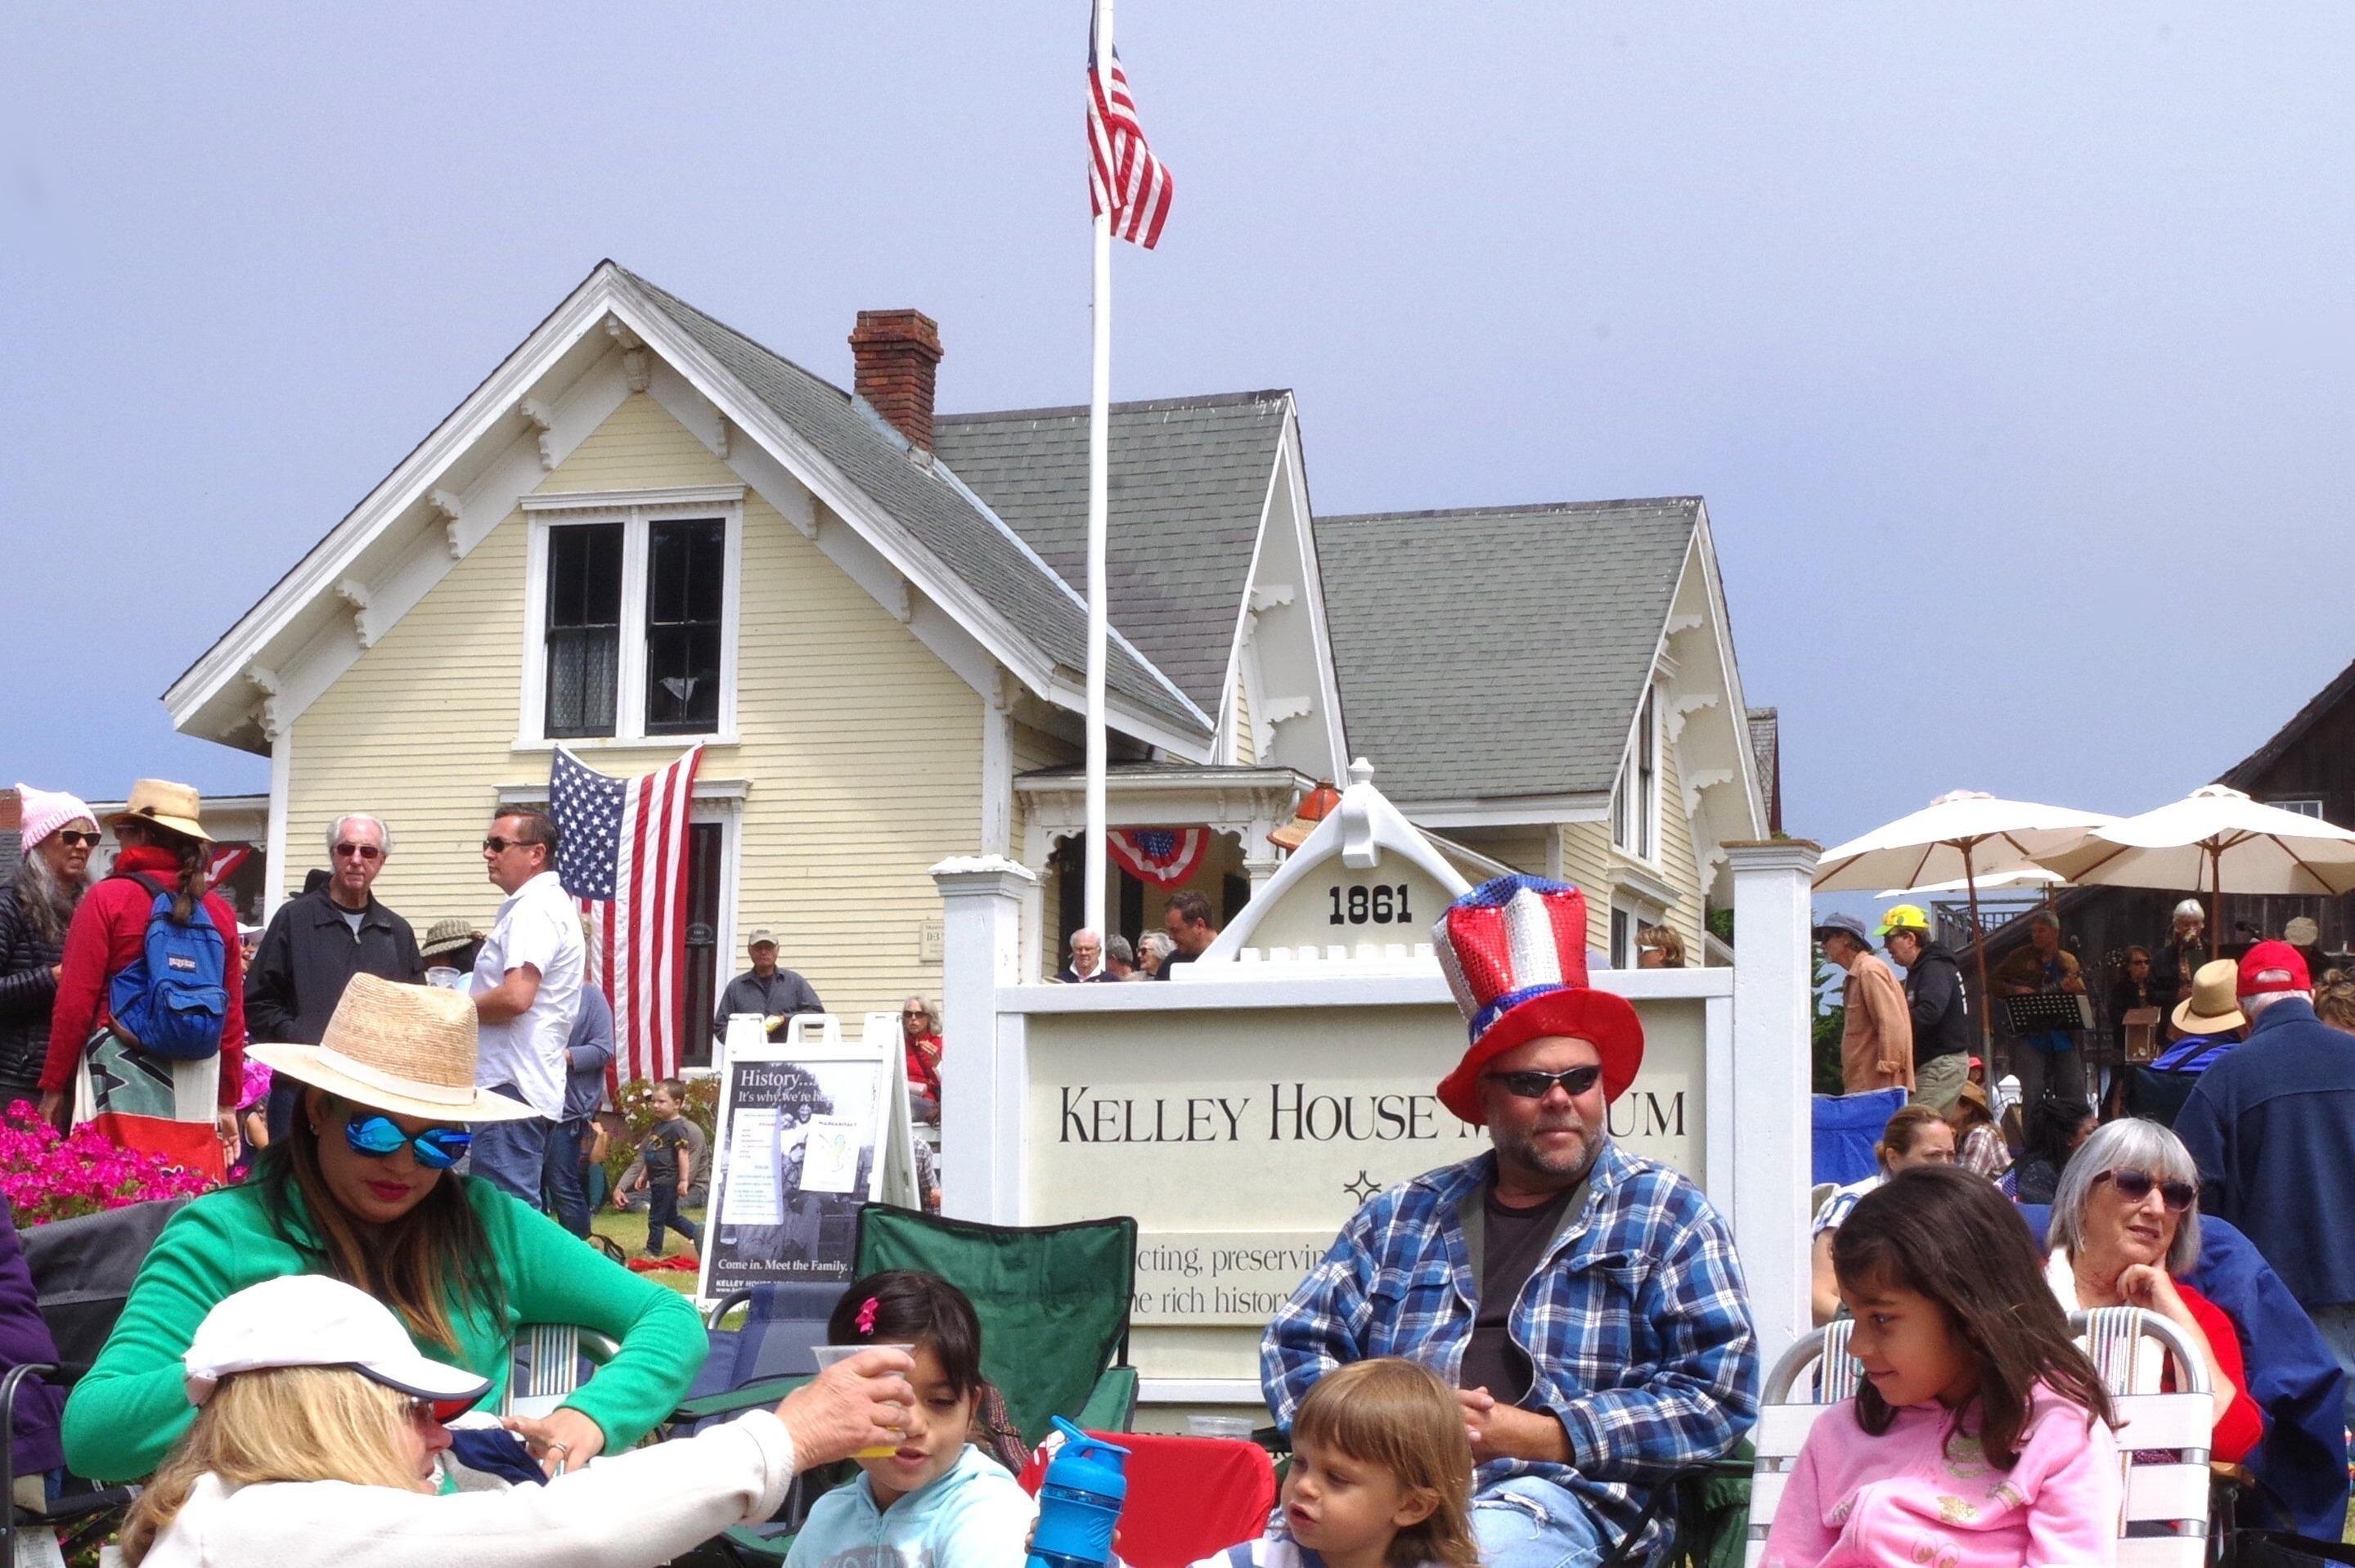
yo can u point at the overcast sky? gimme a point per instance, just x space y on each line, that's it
2009 342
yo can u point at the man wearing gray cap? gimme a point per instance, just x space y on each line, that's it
775 994
1876 1045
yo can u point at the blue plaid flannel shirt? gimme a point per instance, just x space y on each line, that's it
1635 1321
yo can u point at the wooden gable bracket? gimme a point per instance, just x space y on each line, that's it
451 510
267 714
1281 709
355 595
637 368
536 414
1701 779
1684 705
1267 597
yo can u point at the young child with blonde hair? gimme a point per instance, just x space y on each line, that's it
1380 1476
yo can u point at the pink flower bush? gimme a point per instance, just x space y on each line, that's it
45 1177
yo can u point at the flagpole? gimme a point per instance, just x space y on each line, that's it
1098 455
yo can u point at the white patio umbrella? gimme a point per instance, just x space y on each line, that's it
2034 877
1964 835
2218 836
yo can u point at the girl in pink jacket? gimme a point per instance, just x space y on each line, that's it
1982 1436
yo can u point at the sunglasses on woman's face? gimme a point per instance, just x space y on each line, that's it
379 1137
2134 1185
73 840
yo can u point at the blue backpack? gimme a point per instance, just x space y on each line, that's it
173 999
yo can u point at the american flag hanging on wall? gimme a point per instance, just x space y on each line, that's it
624 858
1164 857
1124 176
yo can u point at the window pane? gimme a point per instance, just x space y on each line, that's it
685 569
700 993
584 628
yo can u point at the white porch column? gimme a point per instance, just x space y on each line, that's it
981 1054
1773 1130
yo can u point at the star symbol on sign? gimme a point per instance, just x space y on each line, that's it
1362 1189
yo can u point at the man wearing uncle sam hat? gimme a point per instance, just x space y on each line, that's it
1585 1301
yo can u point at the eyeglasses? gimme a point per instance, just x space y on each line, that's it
379 1137
74 840
1537 1086
2134 1185
498 845
927 1017
364 851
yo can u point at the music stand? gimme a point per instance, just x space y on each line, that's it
2046 1011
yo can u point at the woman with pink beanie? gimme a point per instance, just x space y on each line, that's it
58 832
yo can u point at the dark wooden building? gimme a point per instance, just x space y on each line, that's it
2307 766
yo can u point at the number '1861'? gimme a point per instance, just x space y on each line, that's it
1381 905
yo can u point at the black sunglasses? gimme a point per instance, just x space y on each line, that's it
2134 1185
498 845
364 851
1537 1086
74 840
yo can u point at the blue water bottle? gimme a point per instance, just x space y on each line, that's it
1080 1502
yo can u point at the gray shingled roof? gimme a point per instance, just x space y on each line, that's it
1494 653
1189 482
978 548
1766 746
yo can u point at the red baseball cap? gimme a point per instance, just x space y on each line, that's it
2274 966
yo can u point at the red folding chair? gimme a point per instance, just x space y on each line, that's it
1187 1497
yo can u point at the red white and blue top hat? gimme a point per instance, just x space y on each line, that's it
1514 949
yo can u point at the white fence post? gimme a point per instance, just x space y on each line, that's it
981 1068
1773 1130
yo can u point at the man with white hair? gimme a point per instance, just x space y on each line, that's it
318 942
2272 1128
1086 966
2176 965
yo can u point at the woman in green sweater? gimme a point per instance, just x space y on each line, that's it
361 1190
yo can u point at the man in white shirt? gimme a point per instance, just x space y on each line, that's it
526 990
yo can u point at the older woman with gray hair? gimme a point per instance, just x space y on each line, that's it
2125 1230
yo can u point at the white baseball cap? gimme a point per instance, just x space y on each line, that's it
311 1320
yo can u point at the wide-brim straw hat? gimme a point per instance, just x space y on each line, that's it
2215 1004
409 1049
165 804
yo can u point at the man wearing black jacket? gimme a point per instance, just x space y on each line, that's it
1941 1014
317 943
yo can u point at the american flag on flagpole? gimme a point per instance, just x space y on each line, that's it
1124 176
623 857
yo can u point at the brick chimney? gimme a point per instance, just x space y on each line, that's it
897 352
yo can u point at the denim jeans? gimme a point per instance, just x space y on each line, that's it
1523 1521
2337 1327
511 1155
560 1174
662 1210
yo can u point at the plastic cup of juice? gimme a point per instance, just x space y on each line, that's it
828 1355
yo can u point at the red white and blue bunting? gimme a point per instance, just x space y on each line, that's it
1163 856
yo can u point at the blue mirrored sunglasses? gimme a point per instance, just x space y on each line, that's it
436 1148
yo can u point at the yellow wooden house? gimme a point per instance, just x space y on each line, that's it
644 530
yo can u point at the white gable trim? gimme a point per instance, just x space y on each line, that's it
267 657
1287 476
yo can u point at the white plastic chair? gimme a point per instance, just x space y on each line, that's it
2162 1438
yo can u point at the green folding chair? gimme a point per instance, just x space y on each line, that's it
1053 1302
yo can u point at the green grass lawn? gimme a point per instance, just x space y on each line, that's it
629 1233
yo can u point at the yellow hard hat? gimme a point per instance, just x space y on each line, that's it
1905 917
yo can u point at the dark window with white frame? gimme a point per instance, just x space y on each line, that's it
1634 800
2304 804
584 629
633 608
687 572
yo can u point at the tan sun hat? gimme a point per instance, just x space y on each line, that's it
2216 1004
165 804
409 1049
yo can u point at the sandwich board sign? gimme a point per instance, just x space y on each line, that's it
812 1125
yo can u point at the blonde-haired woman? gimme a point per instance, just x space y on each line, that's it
319 1430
